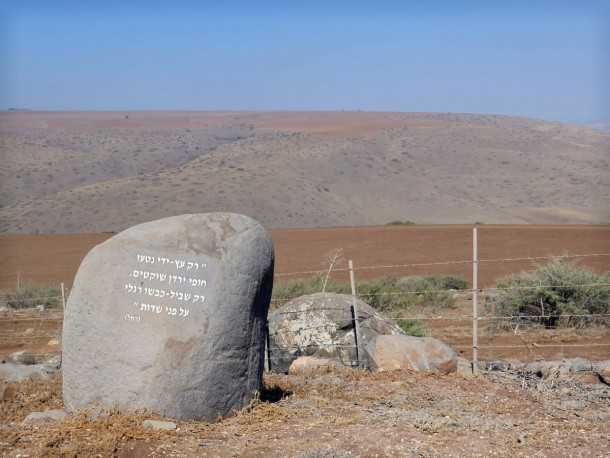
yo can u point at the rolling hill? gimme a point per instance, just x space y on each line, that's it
68 172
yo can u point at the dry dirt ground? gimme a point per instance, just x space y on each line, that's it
51 259
92 172
341 414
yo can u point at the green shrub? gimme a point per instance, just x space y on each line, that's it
552 291
29 295
385 294
300 287
412 328
449 282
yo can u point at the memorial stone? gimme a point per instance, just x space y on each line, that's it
171 316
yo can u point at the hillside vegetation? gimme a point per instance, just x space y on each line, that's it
94 172
555 294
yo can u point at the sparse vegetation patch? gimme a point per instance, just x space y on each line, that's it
553 294
29 295
384 294
412 327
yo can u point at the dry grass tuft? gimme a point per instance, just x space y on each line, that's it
35 394
81 435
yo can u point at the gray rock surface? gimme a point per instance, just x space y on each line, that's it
601 365
424 354
308 365
498 365
48 416
159 425
12 372
545 369
321 325
170 316
464 367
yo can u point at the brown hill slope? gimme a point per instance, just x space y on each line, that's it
75 172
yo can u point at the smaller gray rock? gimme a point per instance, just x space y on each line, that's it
599 365
321 325
48 416
307 365
561 368
602 369
543 369
578 364
424 354
159 425
12 372
498 365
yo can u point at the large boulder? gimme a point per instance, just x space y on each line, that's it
422 354
322 325
171 316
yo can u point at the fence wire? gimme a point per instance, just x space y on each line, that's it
536 345
25 299
460 291
487 292
390 293
442 263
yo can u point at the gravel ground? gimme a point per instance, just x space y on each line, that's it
342 414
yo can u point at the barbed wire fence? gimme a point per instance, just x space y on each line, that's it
475 293
350 351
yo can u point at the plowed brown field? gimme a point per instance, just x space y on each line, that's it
51 259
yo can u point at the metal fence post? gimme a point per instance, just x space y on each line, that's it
63 298
354 312
268 348
475 297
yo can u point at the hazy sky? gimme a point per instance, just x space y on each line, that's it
541 59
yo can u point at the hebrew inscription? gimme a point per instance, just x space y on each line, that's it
165 287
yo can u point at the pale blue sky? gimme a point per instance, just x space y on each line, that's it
541 59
